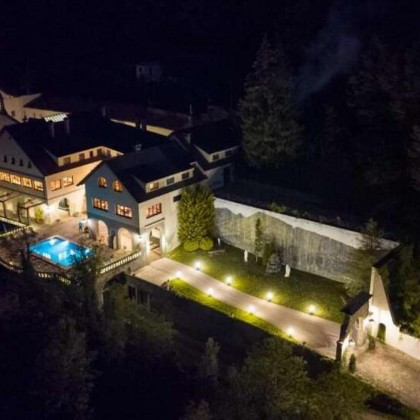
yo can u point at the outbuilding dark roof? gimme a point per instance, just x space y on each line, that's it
211 137
356 303
80 132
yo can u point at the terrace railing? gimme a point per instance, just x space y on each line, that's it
118 263
19 226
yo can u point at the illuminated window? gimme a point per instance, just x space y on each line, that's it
108 152
91 154
38 185
81 156
185 175
67 180
216 156
99 152
117 186
153 186
170 180
154 210
67 161
14 179
26 182
55 185
100 204
102 182
124 211
4 176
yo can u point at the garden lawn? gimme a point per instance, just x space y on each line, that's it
299 291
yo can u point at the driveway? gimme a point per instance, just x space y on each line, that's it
319 334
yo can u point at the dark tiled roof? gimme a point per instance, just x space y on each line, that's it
85 132
151 164
116 111
356 303
211 137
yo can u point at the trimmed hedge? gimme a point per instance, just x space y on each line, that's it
190 246
206 244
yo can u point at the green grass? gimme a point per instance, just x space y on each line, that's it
299 291
181 288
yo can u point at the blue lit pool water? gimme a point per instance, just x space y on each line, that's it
59 251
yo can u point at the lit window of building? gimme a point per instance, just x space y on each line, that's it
99 152
124 211
185 175
117 186
100 204
81 156
67 181
26 182
67 160
170 180
91 154
153 186
102 182
55 185
154 210
38 185
14 179
4 176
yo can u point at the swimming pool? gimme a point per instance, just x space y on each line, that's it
59 251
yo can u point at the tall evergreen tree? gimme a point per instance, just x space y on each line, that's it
258 241
413 154
271 132
196 213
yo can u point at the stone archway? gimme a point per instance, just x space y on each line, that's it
125 239
155 240
64 205
103 233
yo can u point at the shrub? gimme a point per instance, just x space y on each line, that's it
39 215
274 264
352 364
190 246
381 332
269 250
206 244
372 343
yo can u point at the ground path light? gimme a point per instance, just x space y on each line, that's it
251 309
311 309
178 274
290 331
197 265
229 280
269 296
210 292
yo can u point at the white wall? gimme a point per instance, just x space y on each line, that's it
381 314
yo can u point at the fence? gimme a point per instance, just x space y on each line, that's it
19 227
107 268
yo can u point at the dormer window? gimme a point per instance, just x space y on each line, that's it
117 186
29 164
153 186
13 161
102 182
20 162
5 158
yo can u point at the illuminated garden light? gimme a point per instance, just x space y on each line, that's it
197 265
311 309
251 310
229 280
290 331
269 296
178 274
210 292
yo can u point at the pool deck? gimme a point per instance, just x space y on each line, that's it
68 228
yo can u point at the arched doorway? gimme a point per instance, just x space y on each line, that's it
155 237
381 332
102 236
64 205
125 239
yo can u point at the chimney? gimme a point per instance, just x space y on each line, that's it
52 129
103 111
67 125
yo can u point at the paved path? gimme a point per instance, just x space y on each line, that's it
319 334
392 370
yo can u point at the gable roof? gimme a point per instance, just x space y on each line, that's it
83 132
356 303
136 169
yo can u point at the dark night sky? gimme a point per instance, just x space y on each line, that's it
211 41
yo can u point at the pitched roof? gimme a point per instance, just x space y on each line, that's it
212 137
136 169
356 303
83 132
